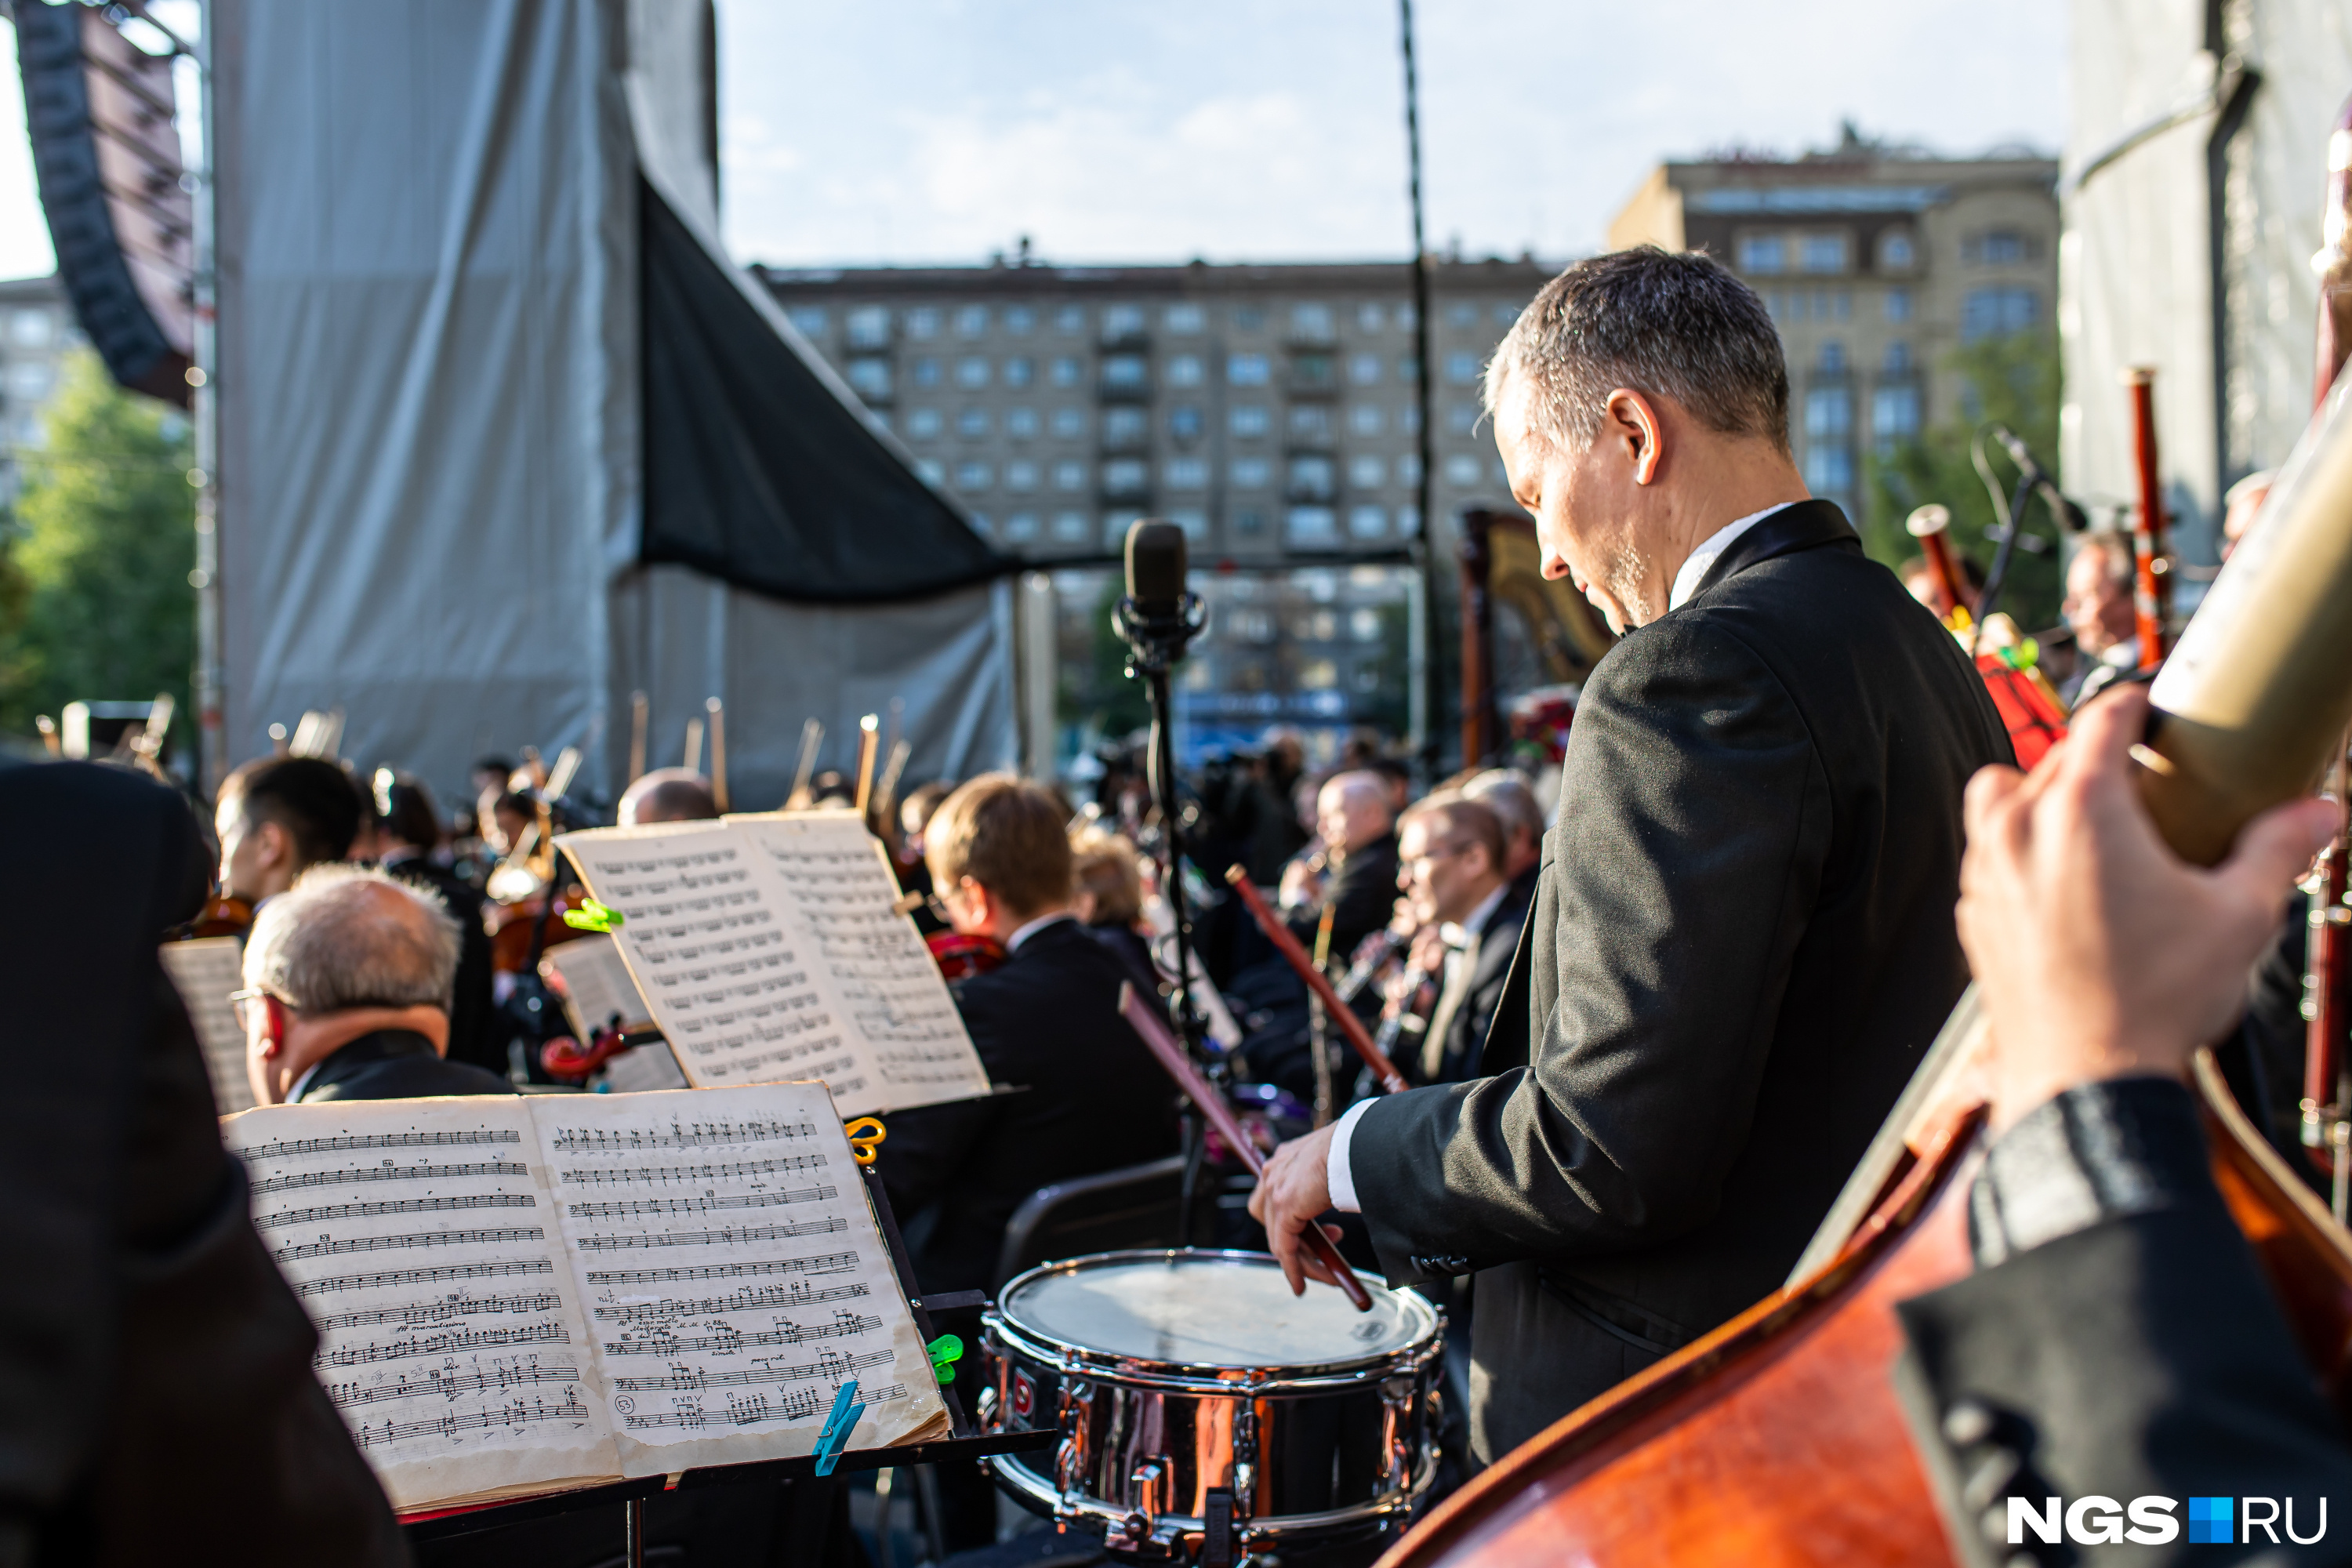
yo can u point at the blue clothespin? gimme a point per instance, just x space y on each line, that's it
846 1408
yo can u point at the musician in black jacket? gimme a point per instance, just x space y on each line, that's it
1742 940
403 832
157 1403
1359 885
1453 852
2118 1340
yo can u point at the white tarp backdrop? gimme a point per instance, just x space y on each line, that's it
431 393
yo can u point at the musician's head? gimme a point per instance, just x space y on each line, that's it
1352 810
999 853
1106 879
278 815
1449 853
2099 580
345 952
1641 402
667 795
1506 794
402 820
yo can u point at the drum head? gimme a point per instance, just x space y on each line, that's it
1222 1310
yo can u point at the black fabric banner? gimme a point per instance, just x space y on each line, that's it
755 472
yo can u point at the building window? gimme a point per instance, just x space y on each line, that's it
1312 478
1070 527
971 321
1183 321
1021 475
1185 370
1996 313
1310 422
1069 423
1125 476
1021 528
1898 304
973 475
973 424
1461 418
1124 372
1249 522
1895 251
1249 318
1187 474
1066 371
1822 253
1364 624
1408 369
1184 422
1313 528
1409 419
869 327
923 423
881 417
870 377
1408 521
1462 315
1364 419
1070 318
1832 358
1765 253
1367 471
807 319
1999 248
1370 316
1364 370
1249 473
1895 416
1899 358
929 471
1462 468
1247 370
971 373
1121 322
1462 369
982 524
1406 317
1829 469
1409 469
1311 323
1368 522
1196 524
1021 423
1317 372
1019 370
1829 413
1123 428
1842 305
923 322
1069 476
1247 419
1018 321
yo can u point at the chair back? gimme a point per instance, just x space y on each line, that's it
1133 1206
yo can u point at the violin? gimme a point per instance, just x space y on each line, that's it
513 924
223 914
960 955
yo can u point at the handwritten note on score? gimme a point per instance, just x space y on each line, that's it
767 951
205 972
521 1295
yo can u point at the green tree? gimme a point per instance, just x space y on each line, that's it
2012 380
94 560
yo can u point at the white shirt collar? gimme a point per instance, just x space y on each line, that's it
1686 581
1467 931
1013 943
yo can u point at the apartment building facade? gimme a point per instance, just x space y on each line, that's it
1875 262
36 332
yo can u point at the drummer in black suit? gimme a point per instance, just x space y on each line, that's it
1046 1021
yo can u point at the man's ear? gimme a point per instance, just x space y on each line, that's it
275 843
1632 420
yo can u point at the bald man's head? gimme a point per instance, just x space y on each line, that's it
667 795
348 936
1353 811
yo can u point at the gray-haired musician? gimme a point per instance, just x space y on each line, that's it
1742 940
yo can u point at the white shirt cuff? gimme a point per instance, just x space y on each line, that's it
1337 1177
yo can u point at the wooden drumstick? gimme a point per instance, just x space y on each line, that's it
1153 1028
1339 1013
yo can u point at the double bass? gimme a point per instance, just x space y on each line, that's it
1778 1438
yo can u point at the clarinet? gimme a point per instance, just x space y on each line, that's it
1372 955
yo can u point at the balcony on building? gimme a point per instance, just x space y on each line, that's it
1124 378
1314 373
1124 327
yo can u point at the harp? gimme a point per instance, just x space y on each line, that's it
1519 631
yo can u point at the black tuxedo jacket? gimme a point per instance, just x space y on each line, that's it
1742 942
476 1035
1362 897
156 1398
1092 1098
396 1064
1491 971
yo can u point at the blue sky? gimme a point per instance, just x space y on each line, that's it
914 131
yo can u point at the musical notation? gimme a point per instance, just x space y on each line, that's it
514 1416
677 1135
336 1248
698 1174
683 1377
630 1208
394 1279
818 1263
448 1382
742 1410
733 1236
387 1172
448 1343
462 1203
291 1148
734 1341
424 1314
750 1299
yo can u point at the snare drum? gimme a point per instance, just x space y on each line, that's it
1178 1379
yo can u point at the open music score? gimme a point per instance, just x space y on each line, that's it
205 972
766 949
525 1295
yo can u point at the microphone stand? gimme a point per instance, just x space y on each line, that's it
1155 647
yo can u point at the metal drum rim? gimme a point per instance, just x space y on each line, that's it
1040 1495
1207 1376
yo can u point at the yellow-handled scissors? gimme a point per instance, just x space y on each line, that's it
863 1134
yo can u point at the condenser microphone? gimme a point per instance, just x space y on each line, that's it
1157 617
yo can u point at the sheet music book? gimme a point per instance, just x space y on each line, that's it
594 981
529 1294
766 949
205 972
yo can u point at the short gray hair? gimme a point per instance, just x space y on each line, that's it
1506 794
2118 551
1665 323
349 936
